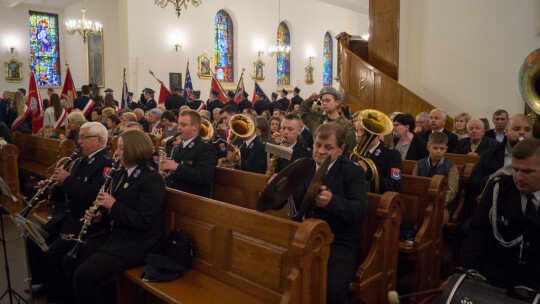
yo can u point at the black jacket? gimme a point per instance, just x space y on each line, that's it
213 105
150 104
25 126
174 101
145 124
253 156
196 165
464 145
491 134
481 251
285 103
274 105
307 136
195 104
388 163
490 161
260 106
452 138
231 103
417 148
296 100
136 214
244 104
80 103
299 151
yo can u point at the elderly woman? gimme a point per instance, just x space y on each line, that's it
408 144
156 126
19 116
134 204
113 125
74 123
460 125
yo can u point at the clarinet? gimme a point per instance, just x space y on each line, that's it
163 151
49 185
88 221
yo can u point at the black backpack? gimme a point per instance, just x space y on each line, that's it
180 248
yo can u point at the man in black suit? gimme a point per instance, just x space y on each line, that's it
285 102
174 101
437 119
193 160
495 159
477 142
274 104
342 203
230 100
245 103
296 100
252 153
214 102
260 105
503 242
195 103
141 120
74 193
290 129
500 119
84 103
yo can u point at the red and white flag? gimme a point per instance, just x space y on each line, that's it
35 104
69 90
163 93
215 86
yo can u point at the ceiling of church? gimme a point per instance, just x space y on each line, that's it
361 6
47 3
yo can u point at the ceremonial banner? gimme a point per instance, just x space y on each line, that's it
69 90
215 86
163 93
125 94
256 91
240 89
188 85
35 104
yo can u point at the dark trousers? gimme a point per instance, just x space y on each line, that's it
342 265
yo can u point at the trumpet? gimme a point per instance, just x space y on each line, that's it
88 221
34 201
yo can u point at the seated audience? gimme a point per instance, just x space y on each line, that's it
437 120
141 120
406 142
75 120
476 143
460 125
274 123
437 164
484 120
500 119
422 122
171 127
19 115
156 126
262 129
48 132
55 115
96 114
113 127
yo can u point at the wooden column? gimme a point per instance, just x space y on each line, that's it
383 45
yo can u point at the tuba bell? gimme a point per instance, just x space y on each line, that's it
529 86
207 130
240 125
375 123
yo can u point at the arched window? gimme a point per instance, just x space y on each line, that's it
44 48
223 47
328 59
283 60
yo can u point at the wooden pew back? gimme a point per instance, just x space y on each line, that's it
38 155
9 173
462 159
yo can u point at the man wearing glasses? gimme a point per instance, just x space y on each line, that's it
73 194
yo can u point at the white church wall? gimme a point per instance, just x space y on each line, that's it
465 56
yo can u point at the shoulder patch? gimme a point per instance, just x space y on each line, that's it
395 173
106 172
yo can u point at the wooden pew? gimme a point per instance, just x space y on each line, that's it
423 201
242 256
462 159
376 274
38 156
9 173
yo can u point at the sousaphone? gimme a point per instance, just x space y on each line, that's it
529 86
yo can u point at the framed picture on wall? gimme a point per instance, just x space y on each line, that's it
258 69
94 60
13 70
309 74
175 80
204 66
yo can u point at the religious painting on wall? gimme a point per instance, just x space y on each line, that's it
258 69
13 70
44 48
175 80
204 66
94 60
309 74
223 47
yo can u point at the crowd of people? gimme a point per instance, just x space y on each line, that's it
318 127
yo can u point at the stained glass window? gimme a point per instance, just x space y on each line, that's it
283 60
327 60
45 48
223 47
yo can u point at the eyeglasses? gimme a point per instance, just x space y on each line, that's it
397 125
82 137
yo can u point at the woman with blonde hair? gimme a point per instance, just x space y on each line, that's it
19 116
73 126
460 125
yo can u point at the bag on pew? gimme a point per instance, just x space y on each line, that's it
166 267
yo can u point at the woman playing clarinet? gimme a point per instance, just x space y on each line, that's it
133 208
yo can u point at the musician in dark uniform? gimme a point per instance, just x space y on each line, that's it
245 103
214 102
76 190
196 104
290 130
174 101
132 211
296 100
260 105
307 136
503 242
230 100
274 104
193 160
285 102
342 203
253 155
386 159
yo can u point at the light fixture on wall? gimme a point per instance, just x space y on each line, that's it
83 27
259 53
178 4
279 48
365 36
12 49
312 57
177 46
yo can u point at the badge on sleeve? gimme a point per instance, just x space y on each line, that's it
155 158
191 144
222 147
137 173
377 152
395 173
106 172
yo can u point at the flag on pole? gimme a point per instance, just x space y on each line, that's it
240 89
215 86
256 91
125 94
163 93
35 104
69 90
188 85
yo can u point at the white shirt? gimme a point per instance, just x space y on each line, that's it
188 141
536 200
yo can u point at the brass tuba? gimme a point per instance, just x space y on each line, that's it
529 86
240 125
207 129
375 123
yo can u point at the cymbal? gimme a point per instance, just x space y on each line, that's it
313 188
284 184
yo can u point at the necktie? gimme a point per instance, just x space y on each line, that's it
530 210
